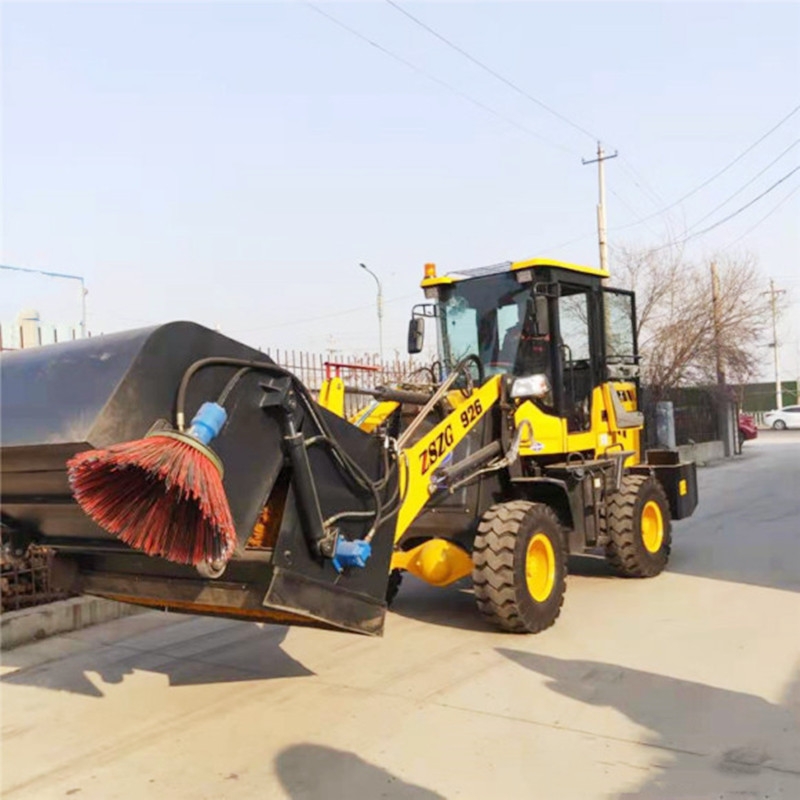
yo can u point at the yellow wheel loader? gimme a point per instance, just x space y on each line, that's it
520 446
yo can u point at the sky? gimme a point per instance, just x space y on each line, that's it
233 163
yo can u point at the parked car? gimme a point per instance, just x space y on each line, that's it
781 419
747 428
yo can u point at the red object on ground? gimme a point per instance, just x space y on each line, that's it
747 427
159 495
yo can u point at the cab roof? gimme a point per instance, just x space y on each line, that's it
508 266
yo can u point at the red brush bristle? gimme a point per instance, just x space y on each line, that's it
159 495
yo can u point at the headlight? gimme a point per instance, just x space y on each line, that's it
536 386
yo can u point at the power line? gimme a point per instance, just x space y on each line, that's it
713 177
638 218
623 201
648 190
583 130
764 218
557 247
646 193
730 216
527 95
633 210
514 123
651 194
491 71
746 205
750 182
503 79
435 79
333 314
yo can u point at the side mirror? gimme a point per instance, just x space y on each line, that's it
416 334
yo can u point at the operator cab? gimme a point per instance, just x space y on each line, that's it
541 323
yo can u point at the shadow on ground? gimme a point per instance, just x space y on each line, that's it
450 606
237 651
454 606
314 772
708 742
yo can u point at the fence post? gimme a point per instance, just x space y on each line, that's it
726 427
665 424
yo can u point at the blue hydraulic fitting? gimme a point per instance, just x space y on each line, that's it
351 554
207 422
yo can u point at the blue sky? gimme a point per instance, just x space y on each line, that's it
233 163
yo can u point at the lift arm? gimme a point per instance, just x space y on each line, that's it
419 460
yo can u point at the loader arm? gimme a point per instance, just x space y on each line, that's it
419 461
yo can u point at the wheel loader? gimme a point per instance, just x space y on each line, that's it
520 444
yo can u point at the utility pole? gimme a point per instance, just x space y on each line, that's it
715 311
380 310
773 300
601 206
726 411
797 372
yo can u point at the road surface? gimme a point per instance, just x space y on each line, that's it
684 686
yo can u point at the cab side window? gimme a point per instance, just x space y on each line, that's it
575 351
573 312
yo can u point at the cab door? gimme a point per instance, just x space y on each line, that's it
620 371
578 354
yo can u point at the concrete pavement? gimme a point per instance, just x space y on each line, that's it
684 686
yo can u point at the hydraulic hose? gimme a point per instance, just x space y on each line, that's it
351 468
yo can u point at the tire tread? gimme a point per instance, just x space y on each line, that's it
496 590
623 547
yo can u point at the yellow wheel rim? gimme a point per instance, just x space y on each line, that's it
652 526
540 567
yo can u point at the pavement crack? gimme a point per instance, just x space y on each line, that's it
554 726
623 739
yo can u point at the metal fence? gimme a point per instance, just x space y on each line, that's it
365 372
696 412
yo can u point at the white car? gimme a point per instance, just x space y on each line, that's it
787 417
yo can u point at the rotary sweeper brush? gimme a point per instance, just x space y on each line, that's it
176 468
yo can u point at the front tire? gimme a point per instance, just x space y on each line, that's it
520 566
638 528
779 425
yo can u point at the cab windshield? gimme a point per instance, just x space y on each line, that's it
490 316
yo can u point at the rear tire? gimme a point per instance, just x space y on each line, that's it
638 528
779 425
520 566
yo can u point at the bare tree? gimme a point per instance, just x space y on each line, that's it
678 337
